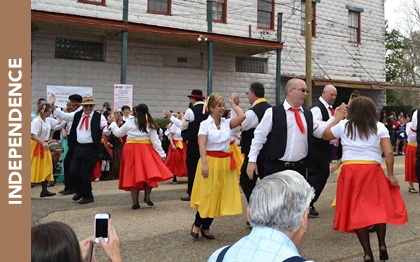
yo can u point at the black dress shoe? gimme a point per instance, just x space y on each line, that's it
194 235
187 198
209 236
47 194
148 202
86 200
313 212
135 206
77 197
66 192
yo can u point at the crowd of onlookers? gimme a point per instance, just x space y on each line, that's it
397 127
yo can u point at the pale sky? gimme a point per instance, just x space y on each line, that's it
395 13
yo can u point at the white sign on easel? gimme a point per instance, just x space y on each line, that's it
62 93
123 95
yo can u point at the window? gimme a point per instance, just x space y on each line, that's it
219 11
93 2
77 49
302 19
159 7
354 27
251 65
265 18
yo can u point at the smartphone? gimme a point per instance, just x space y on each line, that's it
90 252
101 226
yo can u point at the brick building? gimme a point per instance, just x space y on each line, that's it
78 43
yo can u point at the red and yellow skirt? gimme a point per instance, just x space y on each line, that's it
140 164
239 158
410 162
176 160
365 197
218 194
41 163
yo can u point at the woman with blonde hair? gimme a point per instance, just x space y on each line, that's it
142 163
216 188
365 196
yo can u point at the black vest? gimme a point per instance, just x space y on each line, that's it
248 135
95 128
319 142
278 136
418 132
191 133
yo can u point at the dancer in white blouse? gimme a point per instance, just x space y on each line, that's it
142 162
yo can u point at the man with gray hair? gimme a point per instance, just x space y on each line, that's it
278 210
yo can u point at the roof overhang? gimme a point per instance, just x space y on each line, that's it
165 35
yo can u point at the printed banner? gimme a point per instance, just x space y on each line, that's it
62 93
123 95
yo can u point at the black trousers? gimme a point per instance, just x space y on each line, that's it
274 166
68 182
204 223
82 165
248 185
417 168
319 170
193 155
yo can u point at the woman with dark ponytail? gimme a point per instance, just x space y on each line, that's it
142 162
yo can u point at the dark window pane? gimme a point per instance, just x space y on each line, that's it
81 50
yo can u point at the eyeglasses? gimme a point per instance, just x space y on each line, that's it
302 90
247 93
87 105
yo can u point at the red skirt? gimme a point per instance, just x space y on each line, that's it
365 197
176 160
140 164
410 163
97 170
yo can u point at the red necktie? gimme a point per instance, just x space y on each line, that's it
331 110
86 121
298 119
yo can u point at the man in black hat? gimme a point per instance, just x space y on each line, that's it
190 125
73 106
85 136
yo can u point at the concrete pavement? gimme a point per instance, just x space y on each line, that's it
161 233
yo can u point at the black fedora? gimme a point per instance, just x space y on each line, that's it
196 93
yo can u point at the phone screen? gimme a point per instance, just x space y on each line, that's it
101 228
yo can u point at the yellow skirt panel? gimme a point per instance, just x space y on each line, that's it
41 168
239 158
218 194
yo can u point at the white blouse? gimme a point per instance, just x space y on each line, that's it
132 131
217 140
43 129
176 131
360 149
412 136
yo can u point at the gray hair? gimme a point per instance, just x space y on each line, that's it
279 201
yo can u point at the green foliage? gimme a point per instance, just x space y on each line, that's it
162 122
392 98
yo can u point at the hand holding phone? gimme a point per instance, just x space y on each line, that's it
101 226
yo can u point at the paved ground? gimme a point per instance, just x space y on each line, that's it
161 233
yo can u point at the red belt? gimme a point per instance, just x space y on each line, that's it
39 149
221 154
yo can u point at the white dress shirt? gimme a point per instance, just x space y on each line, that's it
360 149
41 128
297 143
85 136
66 116
217 140
414 122
319 124
251 119
132 131
126 118
187 119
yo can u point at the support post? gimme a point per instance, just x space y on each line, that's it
278 61
124 46
308 48
209 48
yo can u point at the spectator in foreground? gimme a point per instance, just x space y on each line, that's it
278 213
57 242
